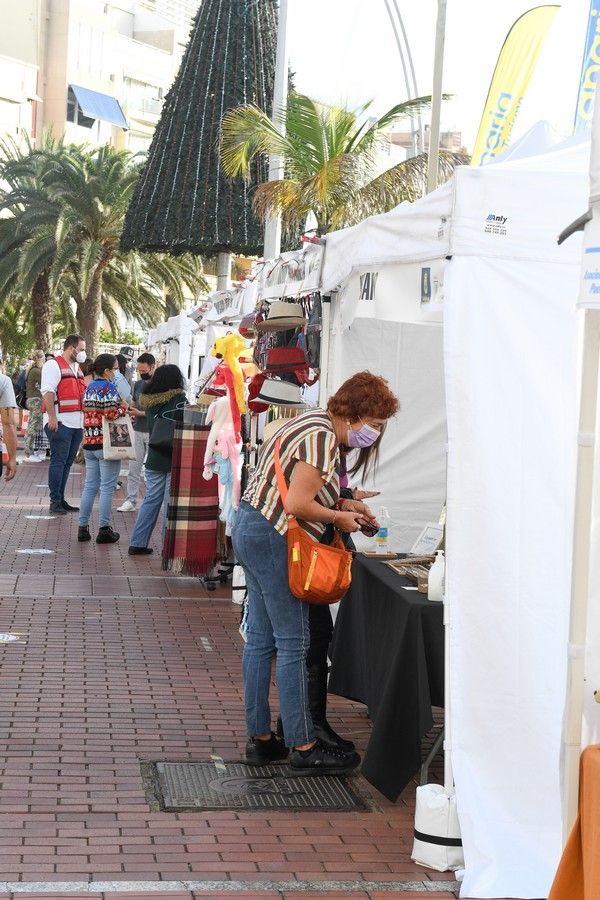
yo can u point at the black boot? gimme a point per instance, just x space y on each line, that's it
317 703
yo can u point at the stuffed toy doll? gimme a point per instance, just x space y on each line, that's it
229 349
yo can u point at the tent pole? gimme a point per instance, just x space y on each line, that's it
436 98
581 565
272 244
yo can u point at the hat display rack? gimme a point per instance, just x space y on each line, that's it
271 331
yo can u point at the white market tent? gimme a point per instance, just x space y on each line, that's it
482 251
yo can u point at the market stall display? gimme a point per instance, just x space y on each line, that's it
388 652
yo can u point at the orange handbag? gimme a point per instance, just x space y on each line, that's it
317 573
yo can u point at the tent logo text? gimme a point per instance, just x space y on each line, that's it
368 282
495 224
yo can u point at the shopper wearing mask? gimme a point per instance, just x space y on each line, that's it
278 621
162 396
145 365
62 392
101 401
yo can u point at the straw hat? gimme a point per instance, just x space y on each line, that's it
283 316
272 428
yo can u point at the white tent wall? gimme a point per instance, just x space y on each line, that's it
511 392
409 354
511 395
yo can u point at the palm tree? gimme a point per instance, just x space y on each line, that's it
27 242
68 226
331 162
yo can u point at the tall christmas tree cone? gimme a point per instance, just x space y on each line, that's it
183 201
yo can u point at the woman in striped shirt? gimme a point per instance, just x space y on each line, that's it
310 460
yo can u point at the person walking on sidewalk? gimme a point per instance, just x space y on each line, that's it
101 400
35 423
8 405
277 621
62 393
145 365
160 397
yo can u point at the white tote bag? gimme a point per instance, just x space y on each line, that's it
118 439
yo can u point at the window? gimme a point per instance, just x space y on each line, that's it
142 96
74 113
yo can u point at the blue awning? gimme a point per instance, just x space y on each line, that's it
99 106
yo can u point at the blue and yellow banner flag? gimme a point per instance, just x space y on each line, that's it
510 81
590 67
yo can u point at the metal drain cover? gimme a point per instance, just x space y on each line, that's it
204 786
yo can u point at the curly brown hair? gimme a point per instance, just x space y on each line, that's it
362 395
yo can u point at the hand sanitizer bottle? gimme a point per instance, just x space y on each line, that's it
435 582
381 538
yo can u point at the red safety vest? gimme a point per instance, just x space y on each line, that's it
71 388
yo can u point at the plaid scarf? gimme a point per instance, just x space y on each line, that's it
191 537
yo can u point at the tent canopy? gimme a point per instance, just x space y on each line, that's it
501 374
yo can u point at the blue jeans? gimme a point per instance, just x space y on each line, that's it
64 444
276 621
157 495
100 475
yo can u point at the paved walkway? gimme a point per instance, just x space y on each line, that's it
116 665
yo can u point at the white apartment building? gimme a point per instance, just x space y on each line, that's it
92 70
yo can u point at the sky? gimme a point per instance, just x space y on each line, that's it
344 52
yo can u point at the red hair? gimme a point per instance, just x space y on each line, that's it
363 395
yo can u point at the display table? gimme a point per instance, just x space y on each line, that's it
388 652
578 876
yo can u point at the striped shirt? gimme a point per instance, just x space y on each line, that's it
309 438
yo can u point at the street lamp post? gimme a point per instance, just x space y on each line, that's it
436 98
272 244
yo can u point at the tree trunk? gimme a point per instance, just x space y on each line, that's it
41 304
89 318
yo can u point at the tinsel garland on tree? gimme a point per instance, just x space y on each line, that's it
183 201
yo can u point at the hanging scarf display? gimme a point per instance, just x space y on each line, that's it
191 539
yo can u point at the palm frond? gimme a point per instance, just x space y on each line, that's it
406 181
245 132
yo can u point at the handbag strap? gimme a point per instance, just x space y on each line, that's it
279 473
291 520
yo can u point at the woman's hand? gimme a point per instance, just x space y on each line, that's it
365 495
347 521
358 507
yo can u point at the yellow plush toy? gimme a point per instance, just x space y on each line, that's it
229 349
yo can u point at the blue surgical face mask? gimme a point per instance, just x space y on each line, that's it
364 437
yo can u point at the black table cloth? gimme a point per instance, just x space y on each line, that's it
388 652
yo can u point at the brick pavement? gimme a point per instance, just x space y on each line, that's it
116 665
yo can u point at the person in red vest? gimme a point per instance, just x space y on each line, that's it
62 391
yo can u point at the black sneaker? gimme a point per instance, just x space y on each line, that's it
140 551
57 509
323 760
107 536
83 533
68 508
261 753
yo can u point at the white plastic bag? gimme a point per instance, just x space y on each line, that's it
437 842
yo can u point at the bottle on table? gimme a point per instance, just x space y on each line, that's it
382 536
435 582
